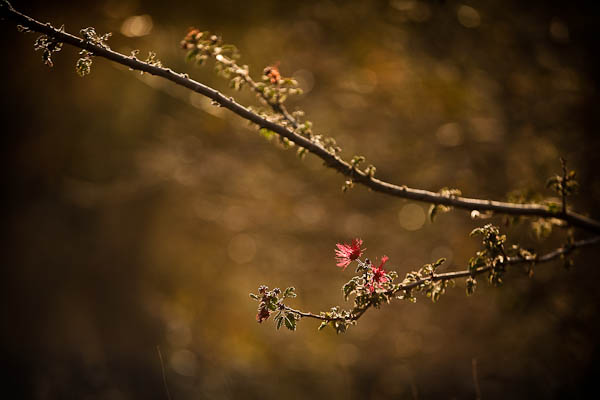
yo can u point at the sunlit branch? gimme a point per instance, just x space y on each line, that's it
277 107
446 276
331 160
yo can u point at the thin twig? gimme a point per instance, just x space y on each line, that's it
277 107
330 159
307 314
164 375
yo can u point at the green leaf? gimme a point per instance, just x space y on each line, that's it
289 292
471 285
357 160
348 288
433 210
323 325
302 151
436 209
290 321
278 319
252 295
266 133
476 231
272 304
191 55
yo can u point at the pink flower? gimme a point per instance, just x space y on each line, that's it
378 275
346 253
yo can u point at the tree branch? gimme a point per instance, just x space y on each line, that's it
565 250
330 159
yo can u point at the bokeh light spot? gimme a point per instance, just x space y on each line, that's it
403 5
468 17
449 134
242 248
235 218
412 217
559 31
421 12
184 362
137 25
309 213
179 333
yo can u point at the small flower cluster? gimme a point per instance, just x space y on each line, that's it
371 279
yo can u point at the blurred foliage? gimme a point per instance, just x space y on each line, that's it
137 214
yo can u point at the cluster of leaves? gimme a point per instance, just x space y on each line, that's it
273 89
492 256
48 45
424 281
371 287
203 45
338 318
355 162
564 185
83 66
90 36
272 301
541 227
153 60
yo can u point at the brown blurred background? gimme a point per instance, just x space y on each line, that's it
135 214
